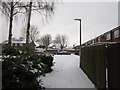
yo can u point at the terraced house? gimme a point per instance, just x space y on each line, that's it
17 43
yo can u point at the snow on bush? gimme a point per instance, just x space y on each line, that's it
21 68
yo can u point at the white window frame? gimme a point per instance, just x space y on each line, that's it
99 38
108 36
93 41
116 33
21 44
15 44
11 44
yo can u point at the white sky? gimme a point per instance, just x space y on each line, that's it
97 18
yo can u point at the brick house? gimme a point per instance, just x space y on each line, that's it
18 44
49 50
77 49
53 50
111 36
69 49
108 37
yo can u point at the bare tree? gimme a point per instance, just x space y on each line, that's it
28 24
33 33
61 41
43 7
10 9
45 40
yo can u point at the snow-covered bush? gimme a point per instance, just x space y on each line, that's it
48 61
21 68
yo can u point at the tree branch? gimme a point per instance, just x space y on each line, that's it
16 3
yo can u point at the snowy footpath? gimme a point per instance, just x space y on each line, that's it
66 74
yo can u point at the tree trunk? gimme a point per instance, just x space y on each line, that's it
10 25
28 24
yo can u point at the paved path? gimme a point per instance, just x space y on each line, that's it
66 74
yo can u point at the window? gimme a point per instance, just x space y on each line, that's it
15 44
108 36
99 39
93 41
12 44
116 33
85 44
21 44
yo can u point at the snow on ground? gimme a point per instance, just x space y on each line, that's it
66 74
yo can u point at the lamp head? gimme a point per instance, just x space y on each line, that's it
78 19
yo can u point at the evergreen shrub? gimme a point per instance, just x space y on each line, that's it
21 68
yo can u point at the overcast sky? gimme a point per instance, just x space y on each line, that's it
97 18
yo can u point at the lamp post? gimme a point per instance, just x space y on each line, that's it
80 37
80 31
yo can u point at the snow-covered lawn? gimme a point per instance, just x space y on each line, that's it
66 74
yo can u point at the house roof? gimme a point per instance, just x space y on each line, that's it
40 49
14 41
64 52
53 49
68 48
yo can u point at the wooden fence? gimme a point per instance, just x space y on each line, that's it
96 59
114 66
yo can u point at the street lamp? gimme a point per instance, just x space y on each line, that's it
80 36
80 29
